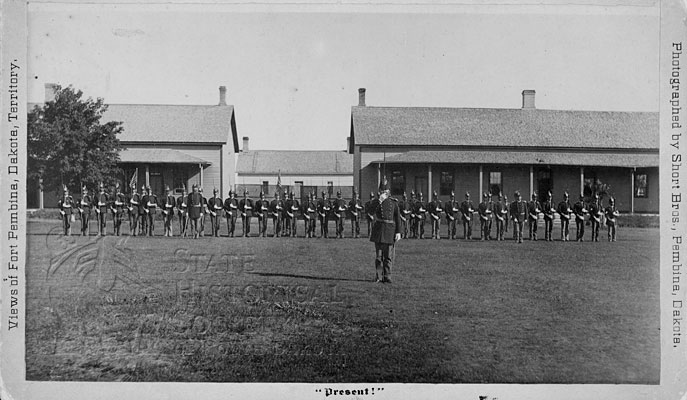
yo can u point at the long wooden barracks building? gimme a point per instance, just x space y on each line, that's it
479 150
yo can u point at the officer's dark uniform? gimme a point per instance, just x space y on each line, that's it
518 212
151 208
580 210
548 210
310 216
182 212
451 208
339 214
484 210
117 203
595 213
612 215
564 210
195 209
101 210
168 211
355 208
385 231
421 216
291 213
215 206
369 214
65 205
85 204
277 213
324 206
500 214
262 209
467 210
246 209
533 209
435 209
231 209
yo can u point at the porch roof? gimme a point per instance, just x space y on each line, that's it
159 156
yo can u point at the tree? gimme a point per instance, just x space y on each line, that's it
68 145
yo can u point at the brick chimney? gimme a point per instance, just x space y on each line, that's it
50 91
222 95
361 97
528 99
245 143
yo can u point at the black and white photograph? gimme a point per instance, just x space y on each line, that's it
343 200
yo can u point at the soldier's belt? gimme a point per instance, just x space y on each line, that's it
386 221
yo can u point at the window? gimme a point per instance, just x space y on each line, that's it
446 183
641 185
398 183
179 179
330 189
495 183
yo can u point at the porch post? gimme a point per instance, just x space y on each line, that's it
632 191
481 178
40 192
147 175
379 175
531 180
581 180
200 166
429 182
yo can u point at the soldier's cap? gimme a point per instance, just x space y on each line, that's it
467 194
291 195
485 195
194 186
611 200
500 195
167 189
338 193
323 193
200 189
534 195
581 196
64 189
245 192
215 190
420 194
117 185
148 188
262 194
517 193
549 194
143 187
565 194
453 194
84 189
372 194
596 196
383 185
404 195
231 192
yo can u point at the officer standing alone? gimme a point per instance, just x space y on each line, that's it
386 231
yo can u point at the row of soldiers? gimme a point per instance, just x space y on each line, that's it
193 208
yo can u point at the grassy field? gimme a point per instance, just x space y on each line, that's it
306 310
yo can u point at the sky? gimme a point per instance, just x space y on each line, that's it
293 74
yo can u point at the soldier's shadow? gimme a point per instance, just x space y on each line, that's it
319 278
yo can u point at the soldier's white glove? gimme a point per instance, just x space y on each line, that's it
397 237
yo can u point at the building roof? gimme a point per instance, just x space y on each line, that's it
486 127
597 158
146 123
158 156
287 162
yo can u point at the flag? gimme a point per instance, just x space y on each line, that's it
279 180
134 180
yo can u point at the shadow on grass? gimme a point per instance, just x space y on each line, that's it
319 278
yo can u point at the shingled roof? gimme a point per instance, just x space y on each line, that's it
287 162
486 127
152 123
159 156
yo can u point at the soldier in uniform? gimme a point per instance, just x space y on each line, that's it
548 210
339 214
533 209
277 212
484 210
101 210
262 209
117 203
292 207
195 207
310 215
151 207
85 204
564 210
518 212
435 209
412 221
369 213
142 212
65 205
611 219
356 210
324 206
451 208
134 214
246 209
203 211
580 210
231 209
467 210
595 213
506 204
182 211
403 207
385 232
421 215
168 211
500 213
215 206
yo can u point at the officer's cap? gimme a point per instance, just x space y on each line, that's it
517 193
384 185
